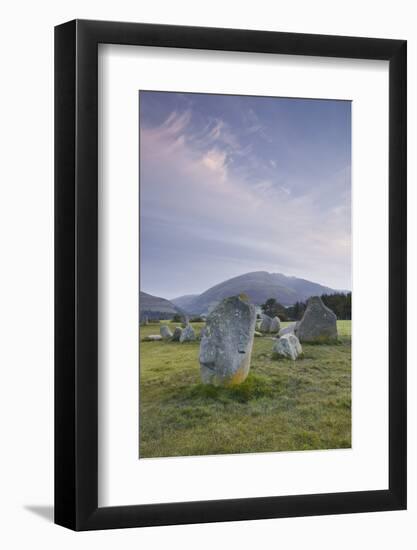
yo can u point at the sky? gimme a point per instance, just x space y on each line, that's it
232 184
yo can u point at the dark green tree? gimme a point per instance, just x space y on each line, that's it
296 311
274 309
340 303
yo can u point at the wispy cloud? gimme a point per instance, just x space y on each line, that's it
215 160
175 123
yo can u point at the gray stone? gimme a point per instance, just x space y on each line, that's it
177 334
152 338
187 334
185 321
265 325
257 334
165 332
226 348
287 346
287 330
275 325
318 323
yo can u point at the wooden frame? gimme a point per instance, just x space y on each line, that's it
76 270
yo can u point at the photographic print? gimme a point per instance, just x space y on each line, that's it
245 274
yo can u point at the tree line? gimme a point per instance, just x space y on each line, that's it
339 302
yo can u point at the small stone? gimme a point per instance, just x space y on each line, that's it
165 332
287 346
187 334
265 325
177 334
257 334
275 325
152 338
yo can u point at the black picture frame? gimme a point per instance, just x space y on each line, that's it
76 272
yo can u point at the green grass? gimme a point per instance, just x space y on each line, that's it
281 406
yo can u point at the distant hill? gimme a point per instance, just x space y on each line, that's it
154 307
184 301
259 286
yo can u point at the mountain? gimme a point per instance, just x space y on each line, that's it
184 301
154 307
259 286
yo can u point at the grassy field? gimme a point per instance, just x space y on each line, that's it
282 405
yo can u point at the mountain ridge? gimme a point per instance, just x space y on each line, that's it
184 300
259 286
155 307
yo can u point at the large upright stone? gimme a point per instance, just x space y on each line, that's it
187 334
318 323
165 332
226 347
275 325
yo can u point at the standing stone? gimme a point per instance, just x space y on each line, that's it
187 334
265 325
165 332
185 320
275 325
177 334
144 321
287 346
318 323
226 348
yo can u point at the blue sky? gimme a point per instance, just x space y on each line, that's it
232 184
